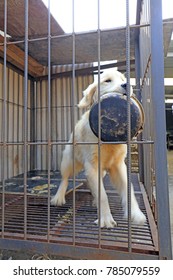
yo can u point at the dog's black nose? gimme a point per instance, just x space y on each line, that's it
124 86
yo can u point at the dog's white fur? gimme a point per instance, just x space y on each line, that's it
111 157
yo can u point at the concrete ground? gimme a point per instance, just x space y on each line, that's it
170 178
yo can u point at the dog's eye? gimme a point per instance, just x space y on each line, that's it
108 81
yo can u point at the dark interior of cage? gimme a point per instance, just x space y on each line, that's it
28 180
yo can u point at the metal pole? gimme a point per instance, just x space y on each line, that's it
138 94
158 101
25 151
4 118
99 125
49 118
73 118
128 127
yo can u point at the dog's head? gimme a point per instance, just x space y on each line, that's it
111 80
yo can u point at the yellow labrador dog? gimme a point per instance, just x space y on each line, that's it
111 156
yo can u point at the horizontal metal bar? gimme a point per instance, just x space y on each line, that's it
84 71
66 35
78 252
38 143
135 26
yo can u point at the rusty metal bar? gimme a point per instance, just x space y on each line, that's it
78 143
161 172
84 71
73 119
150 217
49 120
69 35
99 125
138 94
4 117
71 251
128 126
25 117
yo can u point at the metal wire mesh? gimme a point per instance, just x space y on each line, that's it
38 114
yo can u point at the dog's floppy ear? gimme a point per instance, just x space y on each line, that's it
87 100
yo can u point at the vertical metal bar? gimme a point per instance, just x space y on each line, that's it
49 118
99 129
157 86
73 119
145 55
13 122
138 94
18 116
4 121
129 125
41 114
56 129
36 122
62 110
147 94
7 122
25 148
32 125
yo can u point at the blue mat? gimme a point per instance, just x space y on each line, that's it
37 182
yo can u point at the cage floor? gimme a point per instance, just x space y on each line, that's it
29 220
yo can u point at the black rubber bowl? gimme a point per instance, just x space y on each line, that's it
113 119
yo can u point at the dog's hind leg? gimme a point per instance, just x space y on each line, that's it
106 219
118 174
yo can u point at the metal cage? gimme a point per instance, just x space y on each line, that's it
43 72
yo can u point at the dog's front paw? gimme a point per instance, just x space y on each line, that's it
58 200
106 221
